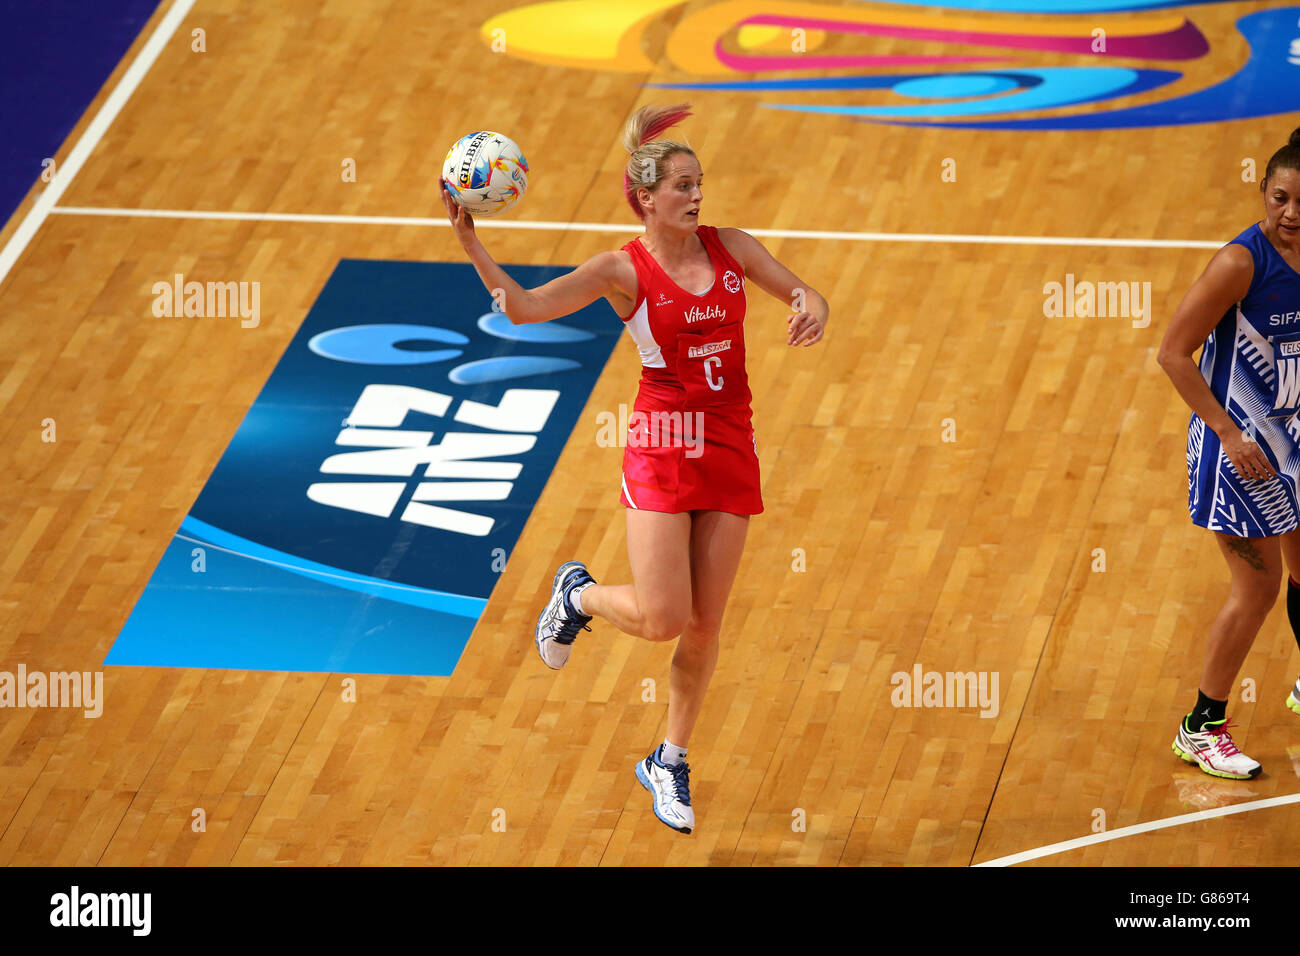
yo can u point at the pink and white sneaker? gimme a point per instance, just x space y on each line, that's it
1212 749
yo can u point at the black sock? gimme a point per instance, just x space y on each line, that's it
1208 710
1293 606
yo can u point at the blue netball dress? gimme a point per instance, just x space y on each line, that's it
1252 364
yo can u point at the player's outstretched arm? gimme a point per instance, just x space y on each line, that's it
563 295
808 324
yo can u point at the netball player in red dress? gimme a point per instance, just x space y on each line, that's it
690 468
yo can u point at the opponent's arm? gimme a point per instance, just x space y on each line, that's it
596 278
807 326
1225 281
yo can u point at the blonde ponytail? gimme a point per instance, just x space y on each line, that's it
648 158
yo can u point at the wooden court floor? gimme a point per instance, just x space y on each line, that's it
973 486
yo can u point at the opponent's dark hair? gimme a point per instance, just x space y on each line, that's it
1288 157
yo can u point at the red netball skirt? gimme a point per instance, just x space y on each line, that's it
678 461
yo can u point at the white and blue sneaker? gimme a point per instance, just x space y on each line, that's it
558 624
671 789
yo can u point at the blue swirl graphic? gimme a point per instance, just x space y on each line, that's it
377 344
1059 86
508 367
548 333
1267 85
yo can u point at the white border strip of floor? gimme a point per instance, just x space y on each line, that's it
1137 828
63 175
629 227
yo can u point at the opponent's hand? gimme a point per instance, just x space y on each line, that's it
462 223
806 328
1246 456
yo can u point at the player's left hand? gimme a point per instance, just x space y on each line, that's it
805 328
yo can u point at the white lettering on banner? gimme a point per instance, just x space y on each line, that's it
383 438
455 447
385 406
382 408
521 410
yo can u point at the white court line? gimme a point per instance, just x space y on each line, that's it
1137 828
620 227
64 174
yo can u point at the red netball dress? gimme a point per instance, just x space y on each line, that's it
690 441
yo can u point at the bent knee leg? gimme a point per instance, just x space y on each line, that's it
663 624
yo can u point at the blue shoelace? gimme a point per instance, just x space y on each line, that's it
568 631
681 784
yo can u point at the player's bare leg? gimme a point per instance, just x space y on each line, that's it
717 544
1203 738
1256 566
657 605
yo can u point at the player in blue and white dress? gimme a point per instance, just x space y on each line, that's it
1243 442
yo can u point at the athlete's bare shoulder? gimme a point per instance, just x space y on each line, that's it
1237 256
737 242
617 266
1231 269
621 270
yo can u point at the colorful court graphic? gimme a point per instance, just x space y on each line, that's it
730 45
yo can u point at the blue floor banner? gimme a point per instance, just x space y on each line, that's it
365 508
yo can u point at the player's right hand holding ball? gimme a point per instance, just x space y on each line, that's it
462 223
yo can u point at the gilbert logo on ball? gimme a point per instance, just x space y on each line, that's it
485 172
